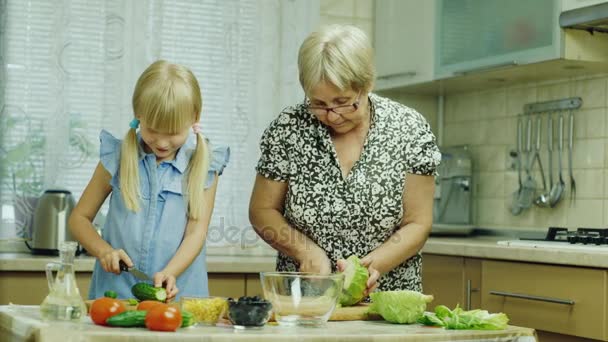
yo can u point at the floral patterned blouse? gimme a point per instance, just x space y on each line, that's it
356 214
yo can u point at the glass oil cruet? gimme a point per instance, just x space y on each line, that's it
63 302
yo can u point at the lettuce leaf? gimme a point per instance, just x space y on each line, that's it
355 282
461 319
403 307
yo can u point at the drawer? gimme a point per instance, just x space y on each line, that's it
565 300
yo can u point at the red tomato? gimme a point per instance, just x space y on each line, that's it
163 318
147 305
104 308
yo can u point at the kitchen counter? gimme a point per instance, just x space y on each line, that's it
486 247
22 323
236 260
219 260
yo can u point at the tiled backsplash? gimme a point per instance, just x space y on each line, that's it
487 120
359 13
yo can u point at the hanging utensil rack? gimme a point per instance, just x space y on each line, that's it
554 105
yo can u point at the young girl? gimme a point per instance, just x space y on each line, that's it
162 179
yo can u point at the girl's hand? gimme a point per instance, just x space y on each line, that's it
167 281
316 262
110 259
372 281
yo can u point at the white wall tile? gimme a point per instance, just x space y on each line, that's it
592 91
517 97
490 157
338 8
553 92
585 213
498 131
490 185
465 133
586 154
461 107
364 9
588 123
492 103
589 183
491 212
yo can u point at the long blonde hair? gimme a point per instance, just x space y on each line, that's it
339 54
167 98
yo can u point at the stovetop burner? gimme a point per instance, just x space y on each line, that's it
585 236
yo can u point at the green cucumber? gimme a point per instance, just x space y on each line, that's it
145 291
187 319
132 318
110 294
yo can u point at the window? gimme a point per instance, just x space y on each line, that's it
70 69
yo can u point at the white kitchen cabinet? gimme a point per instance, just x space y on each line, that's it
478 34
403 38
574 4
446 46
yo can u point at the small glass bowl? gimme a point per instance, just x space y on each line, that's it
249 313
206 310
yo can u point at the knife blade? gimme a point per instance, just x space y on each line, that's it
134 271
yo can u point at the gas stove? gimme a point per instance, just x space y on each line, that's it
583 239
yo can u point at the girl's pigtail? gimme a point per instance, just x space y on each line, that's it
197 178
129 172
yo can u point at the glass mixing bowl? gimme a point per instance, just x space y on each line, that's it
302 298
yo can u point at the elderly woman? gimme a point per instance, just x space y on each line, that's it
347 172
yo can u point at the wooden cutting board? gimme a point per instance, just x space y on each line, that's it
357 312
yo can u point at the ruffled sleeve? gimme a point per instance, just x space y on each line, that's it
220 156
274 159
109 152
422 153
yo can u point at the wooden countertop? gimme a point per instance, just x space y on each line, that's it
22 323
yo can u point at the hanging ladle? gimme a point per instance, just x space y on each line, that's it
558 188
544 199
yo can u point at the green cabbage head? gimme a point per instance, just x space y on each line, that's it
403 307
355 282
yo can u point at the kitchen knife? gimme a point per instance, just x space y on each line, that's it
134 271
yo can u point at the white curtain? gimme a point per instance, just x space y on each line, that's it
69 68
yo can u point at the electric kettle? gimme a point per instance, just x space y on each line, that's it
50 225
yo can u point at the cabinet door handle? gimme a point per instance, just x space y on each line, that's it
469 291
486 68
401 74
531 297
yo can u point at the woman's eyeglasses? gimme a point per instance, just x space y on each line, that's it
340 110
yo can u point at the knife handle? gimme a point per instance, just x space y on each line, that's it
123 266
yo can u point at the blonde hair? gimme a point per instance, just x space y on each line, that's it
167 98
339 54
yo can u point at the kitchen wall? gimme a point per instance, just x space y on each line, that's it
360 13
486 120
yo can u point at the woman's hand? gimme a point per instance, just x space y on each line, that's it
315 262
162 279
372 281
110 259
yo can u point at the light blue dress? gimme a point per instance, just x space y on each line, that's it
152 235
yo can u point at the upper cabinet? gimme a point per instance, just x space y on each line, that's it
475 35
443 46
403 38
574 4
